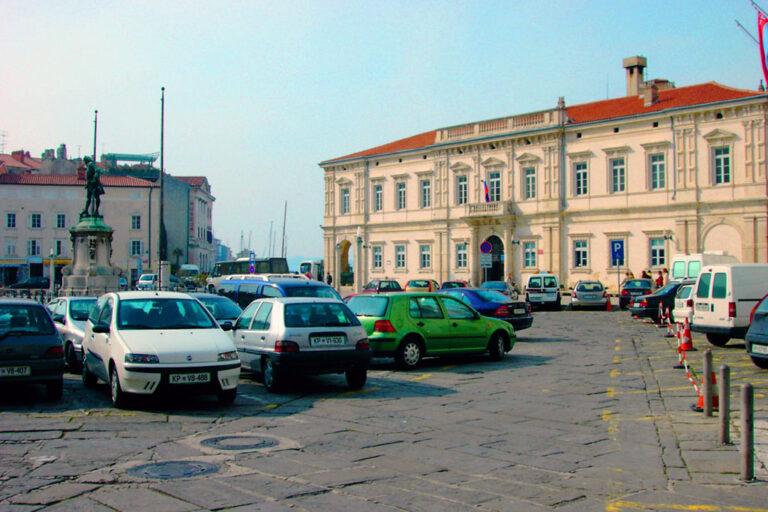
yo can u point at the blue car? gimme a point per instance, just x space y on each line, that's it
495 304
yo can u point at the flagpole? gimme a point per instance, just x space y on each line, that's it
160 248
95 129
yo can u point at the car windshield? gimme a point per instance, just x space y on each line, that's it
22 319
550 282
684 291
147 277
323 292
589 287
637 283
452 285
221 308
163 313
418 284
491 296
666 289
79 309
327 314
368 306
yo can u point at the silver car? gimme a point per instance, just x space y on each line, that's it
589 294
301 335
69 316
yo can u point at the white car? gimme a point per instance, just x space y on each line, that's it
142 342
683 303
69 317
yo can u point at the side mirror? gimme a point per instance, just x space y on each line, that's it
58 319
101 328
227 326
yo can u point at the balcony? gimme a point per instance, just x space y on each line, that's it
522 122
480 213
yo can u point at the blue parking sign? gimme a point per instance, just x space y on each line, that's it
617 251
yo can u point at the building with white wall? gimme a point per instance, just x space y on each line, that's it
660 171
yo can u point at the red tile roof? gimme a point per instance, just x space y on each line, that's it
668 99
195 181
71 180
11 162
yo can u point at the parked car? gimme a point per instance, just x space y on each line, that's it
589 294
688 266
756 339
187 275
543 289
684 302
32 351
156 341
632 288
69 317
32 283
494 304
454 284
222 308
123 283
499 286
147 282
723 298
245 291
382 286
284 336
412 326
647 306
421 285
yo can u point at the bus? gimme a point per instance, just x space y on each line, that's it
221 269
312 269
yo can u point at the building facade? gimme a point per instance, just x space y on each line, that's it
200 227
661 171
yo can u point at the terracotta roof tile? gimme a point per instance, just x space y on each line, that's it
11 162
415 142
195 181
71 180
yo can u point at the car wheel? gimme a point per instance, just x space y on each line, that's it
497 346
118 396
356 377
55 389
89 379
718 340
760 362
74 364
227 396
408 354
271 376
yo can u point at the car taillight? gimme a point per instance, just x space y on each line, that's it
502 312
624 292
644 303
286 346
383 326
54 352
528 307
362 345
574 295
605 294
731 310
535 290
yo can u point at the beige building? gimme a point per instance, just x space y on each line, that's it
38 210
661 171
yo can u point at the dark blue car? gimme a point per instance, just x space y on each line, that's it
243 291
757 335
495 304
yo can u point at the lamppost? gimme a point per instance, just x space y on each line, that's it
359 260
51 274
336 264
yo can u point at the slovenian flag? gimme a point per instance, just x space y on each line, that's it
485 191
761 21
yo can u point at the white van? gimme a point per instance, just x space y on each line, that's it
688 266
543 289
723 297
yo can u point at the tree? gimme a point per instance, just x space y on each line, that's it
177 254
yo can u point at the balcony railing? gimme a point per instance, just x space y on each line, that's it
496 208
532 120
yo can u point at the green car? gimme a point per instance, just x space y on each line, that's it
410 326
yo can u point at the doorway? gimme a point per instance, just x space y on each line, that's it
496 272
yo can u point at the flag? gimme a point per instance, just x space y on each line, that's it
761 21
485 191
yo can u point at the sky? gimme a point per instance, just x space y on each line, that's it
257 93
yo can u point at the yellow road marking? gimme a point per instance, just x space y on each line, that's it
421 377
449 367
618 348
616 359
618 506
358 391
610 392
83 414
614 373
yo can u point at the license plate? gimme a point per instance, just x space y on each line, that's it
189 378
327 340
702 306
519 311
14 371
759 349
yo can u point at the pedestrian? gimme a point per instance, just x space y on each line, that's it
665 272
646 275
659 280
510 284
329 279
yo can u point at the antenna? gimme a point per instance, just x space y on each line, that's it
747 32
3 135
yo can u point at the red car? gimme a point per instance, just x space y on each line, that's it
382 286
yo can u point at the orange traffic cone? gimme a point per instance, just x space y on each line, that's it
608 306
680 353
699 407
686 343
661 320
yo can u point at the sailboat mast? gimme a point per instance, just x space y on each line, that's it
282 245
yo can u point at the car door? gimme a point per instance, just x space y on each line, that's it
425 312
467 330
241 331
702 299
99 345
258 341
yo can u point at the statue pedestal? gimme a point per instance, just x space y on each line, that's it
91 272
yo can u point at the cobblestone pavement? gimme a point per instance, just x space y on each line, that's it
586 413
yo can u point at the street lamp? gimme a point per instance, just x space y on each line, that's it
50 273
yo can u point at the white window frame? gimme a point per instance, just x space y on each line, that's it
425 187
32 217
61 221
461 255
344 201
529 254
462 189
657 252
657 165
58 247
136 222
400 195
580 253
400 257
580 178
726 175
33 247
10 220
137 244
378 197
529 182
618 169
494 185
425 256
377 256
10 246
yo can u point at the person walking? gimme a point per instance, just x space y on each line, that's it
665 273
659 280
329 279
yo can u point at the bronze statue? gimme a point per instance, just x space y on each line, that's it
93 189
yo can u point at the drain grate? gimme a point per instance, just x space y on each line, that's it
239 442
173 469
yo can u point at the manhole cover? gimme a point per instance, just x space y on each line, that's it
174 469
239 442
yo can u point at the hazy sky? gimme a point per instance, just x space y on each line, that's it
258 93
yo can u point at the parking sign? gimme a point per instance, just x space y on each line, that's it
617 251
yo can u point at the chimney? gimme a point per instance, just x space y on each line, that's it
635 67
18 155
651 95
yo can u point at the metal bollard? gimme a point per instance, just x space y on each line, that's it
707 383
725 404
747 433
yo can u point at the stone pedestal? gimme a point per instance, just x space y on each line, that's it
91 272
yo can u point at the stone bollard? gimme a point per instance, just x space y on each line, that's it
747 433
707 383
725 404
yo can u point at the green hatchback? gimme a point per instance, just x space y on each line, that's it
410 326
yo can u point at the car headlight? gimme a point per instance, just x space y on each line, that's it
142 358
228 356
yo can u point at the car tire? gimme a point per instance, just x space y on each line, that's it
497 346
272 378
74 364
409 354
227 396
89 379
55 389
718 340
119 397
356 377
760 362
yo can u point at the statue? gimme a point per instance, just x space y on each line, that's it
93 189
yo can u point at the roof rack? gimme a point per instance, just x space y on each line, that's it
263 277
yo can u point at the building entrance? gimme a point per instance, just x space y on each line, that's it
496 272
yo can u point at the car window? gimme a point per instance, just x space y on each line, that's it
684 291
694 268
418 284
261 320
247 293
323 292
637 283
244 321
362 305
79 309
93 316
534 282
105 315
589 287
163 313
372 285
328 314
456 309
61 309
271 291
720 285
24 319
667 289
424 307
221 307
702 290
678 270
